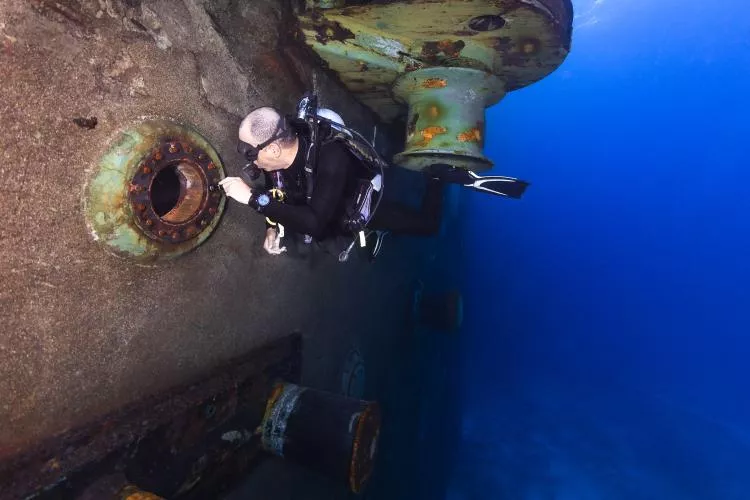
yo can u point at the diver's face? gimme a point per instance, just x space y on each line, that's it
266 156
269 158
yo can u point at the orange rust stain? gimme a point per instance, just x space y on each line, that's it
429 133
116 199
435 83
451 48
530 46
360 470
471 135
131 492
273 398
142 496
431 50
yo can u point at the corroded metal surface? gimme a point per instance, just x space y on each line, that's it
199 197
333 434
370 45
365 446
131 492
118 202
181 444
446 116
280 405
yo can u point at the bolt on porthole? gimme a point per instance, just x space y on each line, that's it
155 195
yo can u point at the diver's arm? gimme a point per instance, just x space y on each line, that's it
268 186
314 218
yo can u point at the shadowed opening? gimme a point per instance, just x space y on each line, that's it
487 23
177 192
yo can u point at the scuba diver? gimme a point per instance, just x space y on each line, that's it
325 181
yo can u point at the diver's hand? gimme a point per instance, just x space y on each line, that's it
237 189
273 241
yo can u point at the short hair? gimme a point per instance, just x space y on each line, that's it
261 124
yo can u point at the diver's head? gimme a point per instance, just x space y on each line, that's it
267 140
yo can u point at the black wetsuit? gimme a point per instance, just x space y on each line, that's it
335 182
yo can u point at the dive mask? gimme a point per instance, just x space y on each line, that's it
251 152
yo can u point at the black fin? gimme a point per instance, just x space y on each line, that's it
494 184
500 186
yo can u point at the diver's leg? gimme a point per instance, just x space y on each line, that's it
398 218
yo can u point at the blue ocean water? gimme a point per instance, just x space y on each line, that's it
606 346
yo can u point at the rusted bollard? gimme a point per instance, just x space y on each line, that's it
332 434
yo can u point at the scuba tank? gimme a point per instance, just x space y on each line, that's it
320 131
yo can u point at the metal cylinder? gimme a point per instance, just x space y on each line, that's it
441 311
332 434
446 116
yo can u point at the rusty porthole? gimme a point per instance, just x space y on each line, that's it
174 192
155 195
488 22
